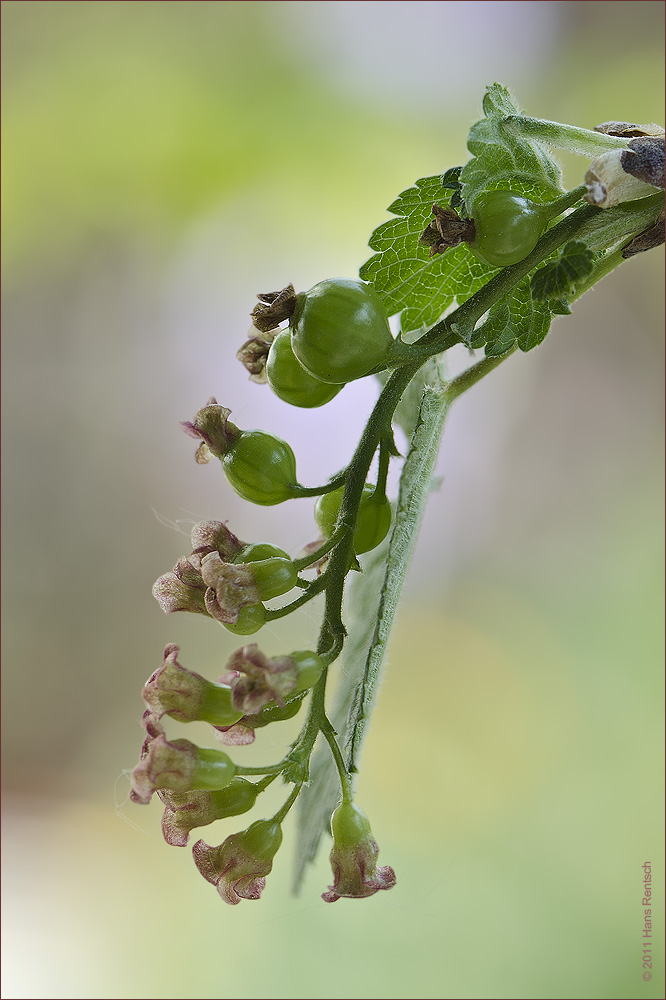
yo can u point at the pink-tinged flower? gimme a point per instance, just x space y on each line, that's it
213 536
212 426
354 857
179 766
186 810
181 590
187 696
230 588
184 589
239 866
255 680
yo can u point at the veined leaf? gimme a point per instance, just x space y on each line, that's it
506 161
515 321
557 279
410 282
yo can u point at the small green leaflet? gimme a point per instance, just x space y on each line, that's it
505 161
558 278
408 280
518 320
420 287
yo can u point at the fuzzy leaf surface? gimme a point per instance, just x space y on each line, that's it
410 282
505 161
515 321
557 279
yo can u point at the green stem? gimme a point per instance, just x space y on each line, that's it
382 469
265 782
314 587
566 201
357 470
272 769
329 735
579 140
461 383
282 812
305 561
316 491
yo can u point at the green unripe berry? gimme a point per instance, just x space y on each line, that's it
260 550
310 666
290 381
340 331
374 517
250 620
272 569
261 468
508 226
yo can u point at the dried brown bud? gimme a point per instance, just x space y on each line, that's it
628 130
253 355
274 308
447 230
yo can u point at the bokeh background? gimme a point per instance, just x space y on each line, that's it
162 163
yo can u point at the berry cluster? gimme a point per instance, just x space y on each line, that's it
231 581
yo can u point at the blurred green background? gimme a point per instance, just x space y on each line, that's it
163 162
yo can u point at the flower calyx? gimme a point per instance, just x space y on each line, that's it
178 766
186 696
239 866
447 230
257 680
274 308
184 811
356 874
212 426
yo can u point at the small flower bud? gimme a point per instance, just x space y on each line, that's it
186 696
179 766
447 230
274 308
187 810
239 866
354 857
254 353
212 425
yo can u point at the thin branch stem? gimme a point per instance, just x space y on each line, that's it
329 735
282 812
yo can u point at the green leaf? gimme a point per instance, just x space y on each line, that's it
504 160
422 288
410 282
372 600
515 321
557 279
